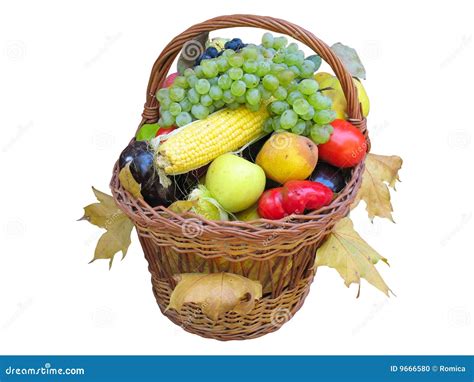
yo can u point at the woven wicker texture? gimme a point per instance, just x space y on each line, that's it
280 254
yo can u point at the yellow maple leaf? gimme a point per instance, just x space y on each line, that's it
345 251
379 169
215 293
106 214
129 183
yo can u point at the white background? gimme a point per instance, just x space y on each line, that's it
72 84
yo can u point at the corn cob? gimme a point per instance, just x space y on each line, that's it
202 141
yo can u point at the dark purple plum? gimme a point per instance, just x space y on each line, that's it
332 177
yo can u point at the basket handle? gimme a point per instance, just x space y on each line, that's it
165 60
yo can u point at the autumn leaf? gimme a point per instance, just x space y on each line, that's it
345 251
350 59
215 293
129 183
106 214
379 169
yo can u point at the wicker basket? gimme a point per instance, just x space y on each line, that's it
280 254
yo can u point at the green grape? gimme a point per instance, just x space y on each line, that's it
181 82
288 119
250 66
308 86
185 104
177 94
222 64
266 94
285 77
228 52
280 93
292 48
307 69
213 81
270 82
224 82
295 70
202 86
309 115
323 117
174 108
227 96
299 128
279 57
250 52
277 68
192 80
238 88
276 123
240 99
193 96
253 97
263 68
292 86
278 107
167 119
211 109
267 125
235 73
316 60
269 53
198 71
188 72
301 106
320 101
253 108
200 111
183 119
206 100
267 40
251 80
293 96
162 94
233 105
209 68
291 59
236 61
215 92
280 42
219 104
319 134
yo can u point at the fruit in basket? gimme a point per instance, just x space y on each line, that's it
249 214
169 80
244 74
140 157
235 182
147 131
270 204
346 147
332 177
202 141
164 130
301 195
287 156
333 89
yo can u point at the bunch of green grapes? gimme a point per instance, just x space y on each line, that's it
274 74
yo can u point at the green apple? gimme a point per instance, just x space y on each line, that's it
235 182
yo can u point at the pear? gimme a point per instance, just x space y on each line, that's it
334 91
287 156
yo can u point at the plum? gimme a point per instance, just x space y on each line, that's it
332 177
